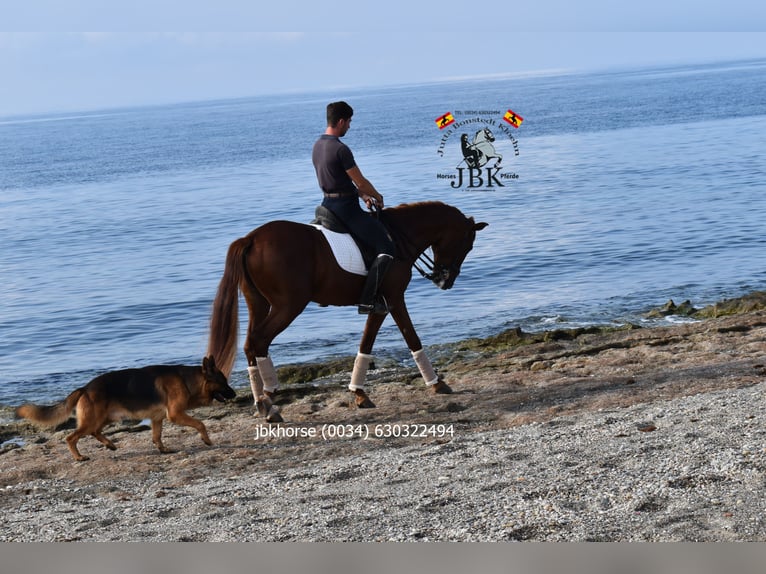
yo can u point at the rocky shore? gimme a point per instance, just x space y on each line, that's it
632 434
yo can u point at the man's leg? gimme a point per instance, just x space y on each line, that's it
371 301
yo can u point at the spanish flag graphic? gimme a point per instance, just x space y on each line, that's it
445 120
513 118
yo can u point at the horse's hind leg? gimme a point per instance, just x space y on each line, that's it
263 375
258 308
266 377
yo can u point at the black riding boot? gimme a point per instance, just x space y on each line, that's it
371 301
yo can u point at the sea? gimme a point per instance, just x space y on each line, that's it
620 190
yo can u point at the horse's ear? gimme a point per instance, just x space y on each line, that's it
479 226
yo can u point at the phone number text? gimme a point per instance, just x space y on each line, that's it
356 431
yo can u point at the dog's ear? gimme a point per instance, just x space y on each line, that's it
208 364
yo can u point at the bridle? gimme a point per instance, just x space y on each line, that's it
433 272
426 261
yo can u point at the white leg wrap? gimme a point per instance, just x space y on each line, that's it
268 373
361 364
256 384
425 368
263 377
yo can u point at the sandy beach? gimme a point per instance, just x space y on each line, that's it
635 434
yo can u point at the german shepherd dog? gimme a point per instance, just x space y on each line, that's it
153 392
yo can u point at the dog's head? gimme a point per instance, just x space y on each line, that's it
216 385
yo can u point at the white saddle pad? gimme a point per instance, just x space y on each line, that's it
346 252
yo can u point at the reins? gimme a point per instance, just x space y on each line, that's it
427 262
423 258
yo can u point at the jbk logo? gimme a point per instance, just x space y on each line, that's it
480 162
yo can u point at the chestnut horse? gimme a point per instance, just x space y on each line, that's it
282 266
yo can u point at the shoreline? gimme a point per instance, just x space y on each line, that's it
648 434
335 370
332 369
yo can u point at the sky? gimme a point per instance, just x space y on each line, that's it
133 62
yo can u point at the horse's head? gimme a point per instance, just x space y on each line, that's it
434 224
451 249
484 135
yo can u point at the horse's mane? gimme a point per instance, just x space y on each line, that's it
407 217
417 204
416 208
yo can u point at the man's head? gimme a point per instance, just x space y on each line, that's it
339 116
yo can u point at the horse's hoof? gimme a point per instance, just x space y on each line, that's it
262 408
441 388
362 400
274 416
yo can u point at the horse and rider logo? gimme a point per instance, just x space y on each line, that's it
481 164
480 150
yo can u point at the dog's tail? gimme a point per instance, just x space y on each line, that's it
224 321
53 415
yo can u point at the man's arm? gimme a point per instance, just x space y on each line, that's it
365 189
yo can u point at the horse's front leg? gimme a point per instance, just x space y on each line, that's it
433 381
363 360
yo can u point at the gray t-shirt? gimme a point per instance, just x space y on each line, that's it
332 158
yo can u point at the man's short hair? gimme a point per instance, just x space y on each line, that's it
338 111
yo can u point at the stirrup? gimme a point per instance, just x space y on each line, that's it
379 306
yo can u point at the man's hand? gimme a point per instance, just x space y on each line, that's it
373 202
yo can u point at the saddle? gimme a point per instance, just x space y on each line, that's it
325 218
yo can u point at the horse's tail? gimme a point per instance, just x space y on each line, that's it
53 415
224 321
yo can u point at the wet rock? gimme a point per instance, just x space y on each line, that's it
685 309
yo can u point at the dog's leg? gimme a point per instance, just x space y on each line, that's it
181 418
71 441
157 436
86 419
103 440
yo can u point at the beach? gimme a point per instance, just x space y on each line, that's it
624 435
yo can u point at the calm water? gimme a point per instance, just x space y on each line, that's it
633 187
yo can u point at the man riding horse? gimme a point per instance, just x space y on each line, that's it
282 266
343 184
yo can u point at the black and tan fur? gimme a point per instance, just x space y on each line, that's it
153 392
